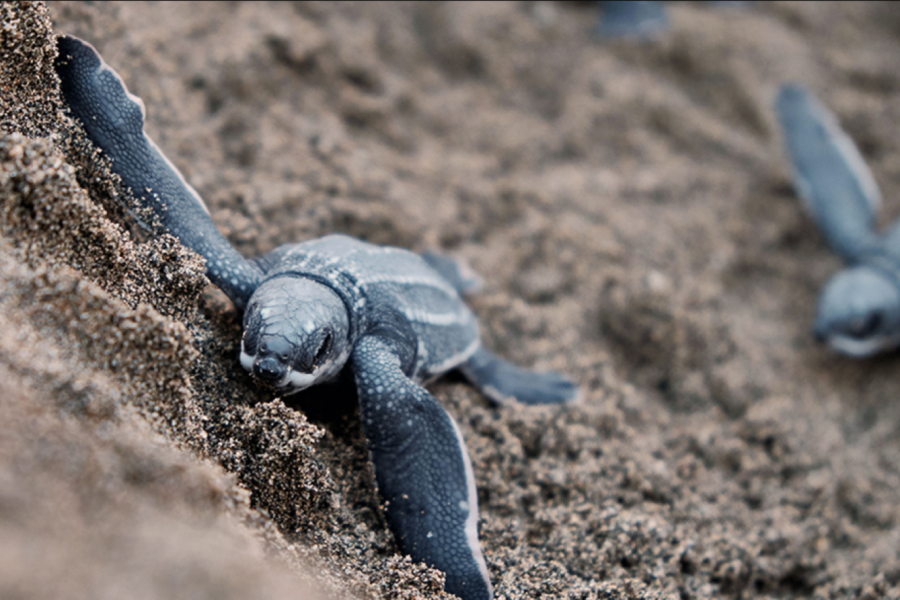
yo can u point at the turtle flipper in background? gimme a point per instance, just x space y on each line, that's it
859 308
114 120
830 175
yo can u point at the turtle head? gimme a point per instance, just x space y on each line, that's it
296 333
859 312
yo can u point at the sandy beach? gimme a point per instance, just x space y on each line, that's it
630 207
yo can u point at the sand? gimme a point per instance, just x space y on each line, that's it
630 208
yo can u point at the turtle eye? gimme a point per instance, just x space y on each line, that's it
864 327
324 348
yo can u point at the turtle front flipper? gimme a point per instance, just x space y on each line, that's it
830 175
504 382
114 121
422 468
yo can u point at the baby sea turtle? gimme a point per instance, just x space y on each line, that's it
314 309
859 309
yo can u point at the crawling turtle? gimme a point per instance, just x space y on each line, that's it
312 310
859 309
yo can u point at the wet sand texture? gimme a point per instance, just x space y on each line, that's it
630 209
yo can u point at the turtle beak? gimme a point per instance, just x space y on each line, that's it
270 370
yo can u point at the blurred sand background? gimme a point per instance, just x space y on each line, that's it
630 208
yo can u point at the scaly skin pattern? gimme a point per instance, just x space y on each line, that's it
314 308
114 121
422 468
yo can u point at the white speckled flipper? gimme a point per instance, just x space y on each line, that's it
423 470
114 121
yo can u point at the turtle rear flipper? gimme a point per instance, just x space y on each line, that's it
830 175
114 121
502 381
455 271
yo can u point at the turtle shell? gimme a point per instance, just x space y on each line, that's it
370 278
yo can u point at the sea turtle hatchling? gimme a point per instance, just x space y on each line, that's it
859 309
315 308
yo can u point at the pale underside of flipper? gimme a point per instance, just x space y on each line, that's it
830 174
114 121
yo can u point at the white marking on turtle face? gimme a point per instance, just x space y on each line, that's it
298 381
863 348
247 360
327 371
309 327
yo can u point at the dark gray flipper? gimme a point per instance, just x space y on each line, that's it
502 381
829 174
639 19
456 272
114 121
423 470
